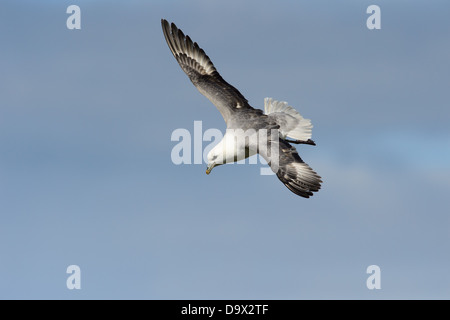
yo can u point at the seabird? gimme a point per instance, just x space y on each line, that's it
248 127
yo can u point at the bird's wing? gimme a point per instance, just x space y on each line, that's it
293 172
199 68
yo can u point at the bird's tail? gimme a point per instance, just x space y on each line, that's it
292 124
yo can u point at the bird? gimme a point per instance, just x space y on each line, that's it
250 131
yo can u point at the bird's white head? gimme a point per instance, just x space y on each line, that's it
226 151
214 159
218 155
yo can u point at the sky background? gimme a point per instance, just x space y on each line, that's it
86 176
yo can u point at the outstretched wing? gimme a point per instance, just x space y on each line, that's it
293 172
199 68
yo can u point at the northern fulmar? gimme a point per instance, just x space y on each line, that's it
249 130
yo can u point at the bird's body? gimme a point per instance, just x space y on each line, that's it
249 130
233 147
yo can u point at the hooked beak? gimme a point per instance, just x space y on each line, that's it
210 167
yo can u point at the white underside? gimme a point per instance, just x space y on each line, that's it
232 147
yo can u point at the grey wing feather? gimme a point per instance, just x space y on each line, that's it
201 71
292 171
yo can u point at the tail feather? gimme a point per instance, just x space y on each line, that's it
292 124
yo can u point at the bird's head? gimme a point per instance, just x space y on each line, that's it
214 159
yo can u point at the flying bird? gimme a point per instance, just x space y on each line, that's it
249 130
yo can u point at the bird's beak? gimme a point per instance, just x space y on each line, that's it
210 167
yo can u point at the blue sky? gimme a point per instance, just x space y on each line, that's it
86 176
